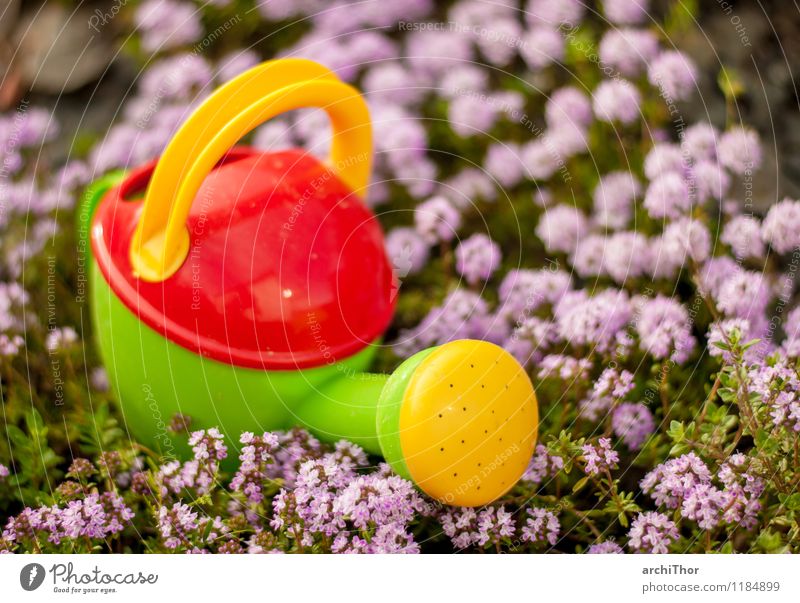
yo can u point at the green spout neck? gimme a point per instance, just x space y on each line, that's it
345 407
363 408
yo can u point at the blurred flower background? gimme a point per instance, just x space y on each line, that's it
585 183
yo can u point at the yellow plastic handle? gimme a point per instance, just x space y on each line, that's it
161 241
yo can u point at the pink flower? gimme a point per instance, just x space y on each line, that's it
700 141
781 228
665 329
569 12
628 50
504 163
477 258
608 547
599 458
540 526
743 234
668 196
626 12
664 158
407 250
540 160
616 100
541 46
652 533
166 24
561 227
675 74
633 423
568 104
686 239
740 150
437 220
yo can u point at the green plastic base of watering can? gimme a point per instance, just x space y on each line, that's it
154 379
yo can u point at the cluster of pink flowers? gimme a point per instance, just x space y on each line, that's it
686 483
599 459
334 505
652 532
95 517
490 527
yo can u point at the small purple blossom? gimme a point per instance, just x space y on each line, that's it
540 159
563 367
167 24
704 504
613 199
633 422
743 235
477 258
664 329
554 13
542 46
616 100
254 457
670 483
437 220
668 196
628 50
626 12
700 141
652 533
626 255
664 158
686 239
60 339
740 150
561 227
541 526
600 458
675 74
504 163
745 294
607 547
465 527
593 321
781 228
407 250
543 465
568 105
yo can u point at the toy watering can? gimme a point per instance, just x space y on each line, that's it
249 290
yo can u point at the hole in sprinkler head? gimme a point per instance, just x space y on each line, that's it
462 441
451 385
471 366
441 449
440 415
465 409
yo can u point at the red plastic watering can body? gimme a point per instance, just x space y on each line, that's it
286 267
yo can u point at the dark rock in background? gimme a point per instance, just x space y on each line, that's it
760 41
